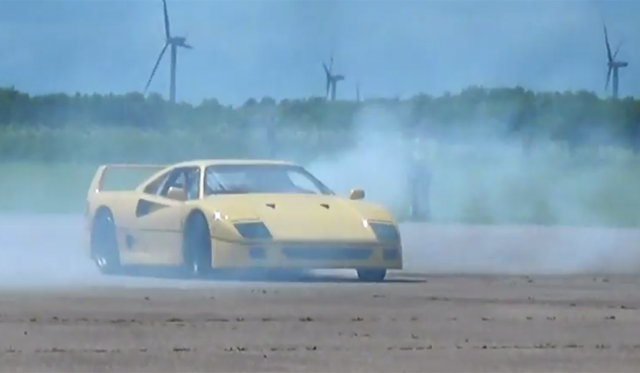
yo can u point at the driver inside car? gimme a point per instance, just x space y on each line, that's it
191 185
187 181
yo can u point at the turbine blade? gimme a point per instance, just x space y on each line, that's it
606 41
606 85
185 45
328 78
153 72
167 26
615 54
328 86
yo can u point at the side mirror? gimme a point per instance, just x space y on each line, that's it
177 193
356 194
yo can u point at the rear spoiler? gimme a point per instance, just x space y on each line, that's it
98 178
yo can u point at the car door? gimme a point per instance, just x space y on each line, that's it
160 218
130 236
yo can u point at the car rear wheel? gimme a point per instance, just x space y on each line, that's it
197 249
372 275
104 244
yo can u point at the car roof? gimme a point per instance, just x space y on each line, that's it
216 162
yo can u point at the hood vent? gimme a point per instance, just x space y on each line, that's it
325 205
272 205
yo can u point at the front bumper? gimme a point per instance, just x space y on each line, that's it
307 255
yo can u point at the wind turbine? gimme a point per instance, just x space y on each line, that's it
174 42
357 91
332 80
613 64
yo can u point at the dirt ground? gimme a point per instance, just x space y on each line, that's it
470 300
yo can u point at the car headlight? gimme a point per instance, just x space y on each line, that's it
385 232
253 230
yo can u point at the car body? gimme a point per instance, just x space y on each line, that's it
204 215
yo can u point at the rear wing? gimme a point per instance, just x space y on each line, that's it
132 174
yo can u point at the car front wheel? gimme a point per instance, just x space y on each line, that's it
197 248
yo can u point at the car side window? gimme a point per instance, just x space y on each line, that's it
154 186
187 178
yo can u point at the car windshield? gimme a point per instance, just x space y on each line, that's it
236 179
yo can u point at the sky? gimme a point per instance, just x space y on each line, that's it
257 48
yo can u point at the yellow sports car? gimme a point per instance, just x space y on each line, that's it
205 215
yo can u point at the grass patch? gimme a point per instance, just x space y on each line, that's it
554 187
27 187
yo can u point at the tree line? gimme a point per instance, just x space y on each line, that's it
577 118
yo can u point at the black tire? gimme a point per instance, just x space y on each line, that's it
372 275
196 246
104 244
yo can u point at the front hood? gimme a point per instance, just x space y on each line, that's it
302 216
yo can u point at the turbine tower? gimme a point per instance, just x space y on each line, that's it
613 64
357 91
332 80
174 42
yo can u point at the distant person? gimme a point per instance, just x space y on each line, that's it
419 180
269 130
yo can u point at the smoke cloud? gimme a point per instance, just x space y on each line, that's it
377 161
487 180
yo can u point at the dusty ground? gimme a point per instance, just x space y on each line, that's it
57 314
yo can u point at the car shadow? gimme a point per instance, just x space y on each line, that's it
255 275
